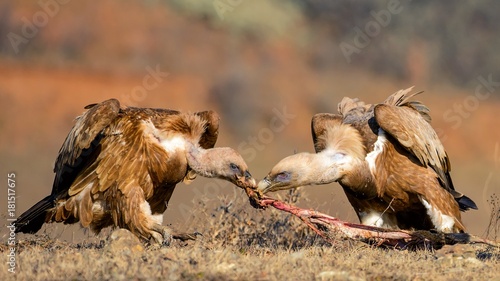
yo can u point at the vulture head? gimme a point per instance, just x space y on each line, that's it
341 157
220 162
305 169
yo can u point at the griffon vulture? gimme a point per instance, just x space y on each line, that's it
119 166
389 161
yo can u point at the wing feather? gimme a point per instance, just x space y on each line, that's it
126 158
211 133
85 209
85 178
208 138
409 123
347 104
131 145
81 146
319 123
415 134
402 98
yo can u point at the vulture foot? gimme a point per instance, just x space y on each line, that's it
161 235
186 236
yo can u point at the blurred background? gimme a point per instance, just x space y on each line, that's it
265 66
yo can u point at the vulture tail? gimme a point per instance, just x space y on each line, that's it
32 220
465 203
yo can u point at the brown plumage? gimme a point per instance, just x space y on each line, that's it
119 167
389 161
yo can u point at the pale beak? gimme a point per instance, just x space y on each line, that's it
264 185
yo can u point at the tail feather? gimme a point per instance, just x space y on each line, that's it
32 220
465 203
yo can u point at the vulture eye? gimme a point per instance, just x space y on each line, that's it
234 168
283 177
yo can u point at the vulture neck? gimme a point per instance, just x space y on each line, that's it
327 167
311 169
202 160
349 171
359 180
347 152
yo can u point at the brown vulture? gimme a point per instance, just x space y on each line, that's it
119 167
387 158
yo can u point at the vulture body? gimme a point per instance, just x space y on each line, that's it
389 161
119 167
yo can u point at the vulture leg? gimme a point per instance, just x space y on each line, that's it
161 234
137 216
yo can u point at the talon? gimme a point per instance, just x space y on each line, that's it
161 234
186 236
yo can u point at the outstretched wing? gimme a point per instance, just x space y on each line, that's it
319 123
412 130
81 146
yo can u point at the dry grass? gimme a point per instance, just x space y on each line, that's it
240 243
493 230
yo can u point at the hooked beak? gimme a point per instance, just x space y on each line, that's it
264 185
246 180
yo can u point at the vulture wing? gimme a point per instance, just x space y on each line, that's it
415 134
412 130
133 145
402 98
79 150
81 146
319 123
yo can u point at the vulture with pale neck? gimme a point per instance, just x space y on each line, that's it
387 158
119 166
